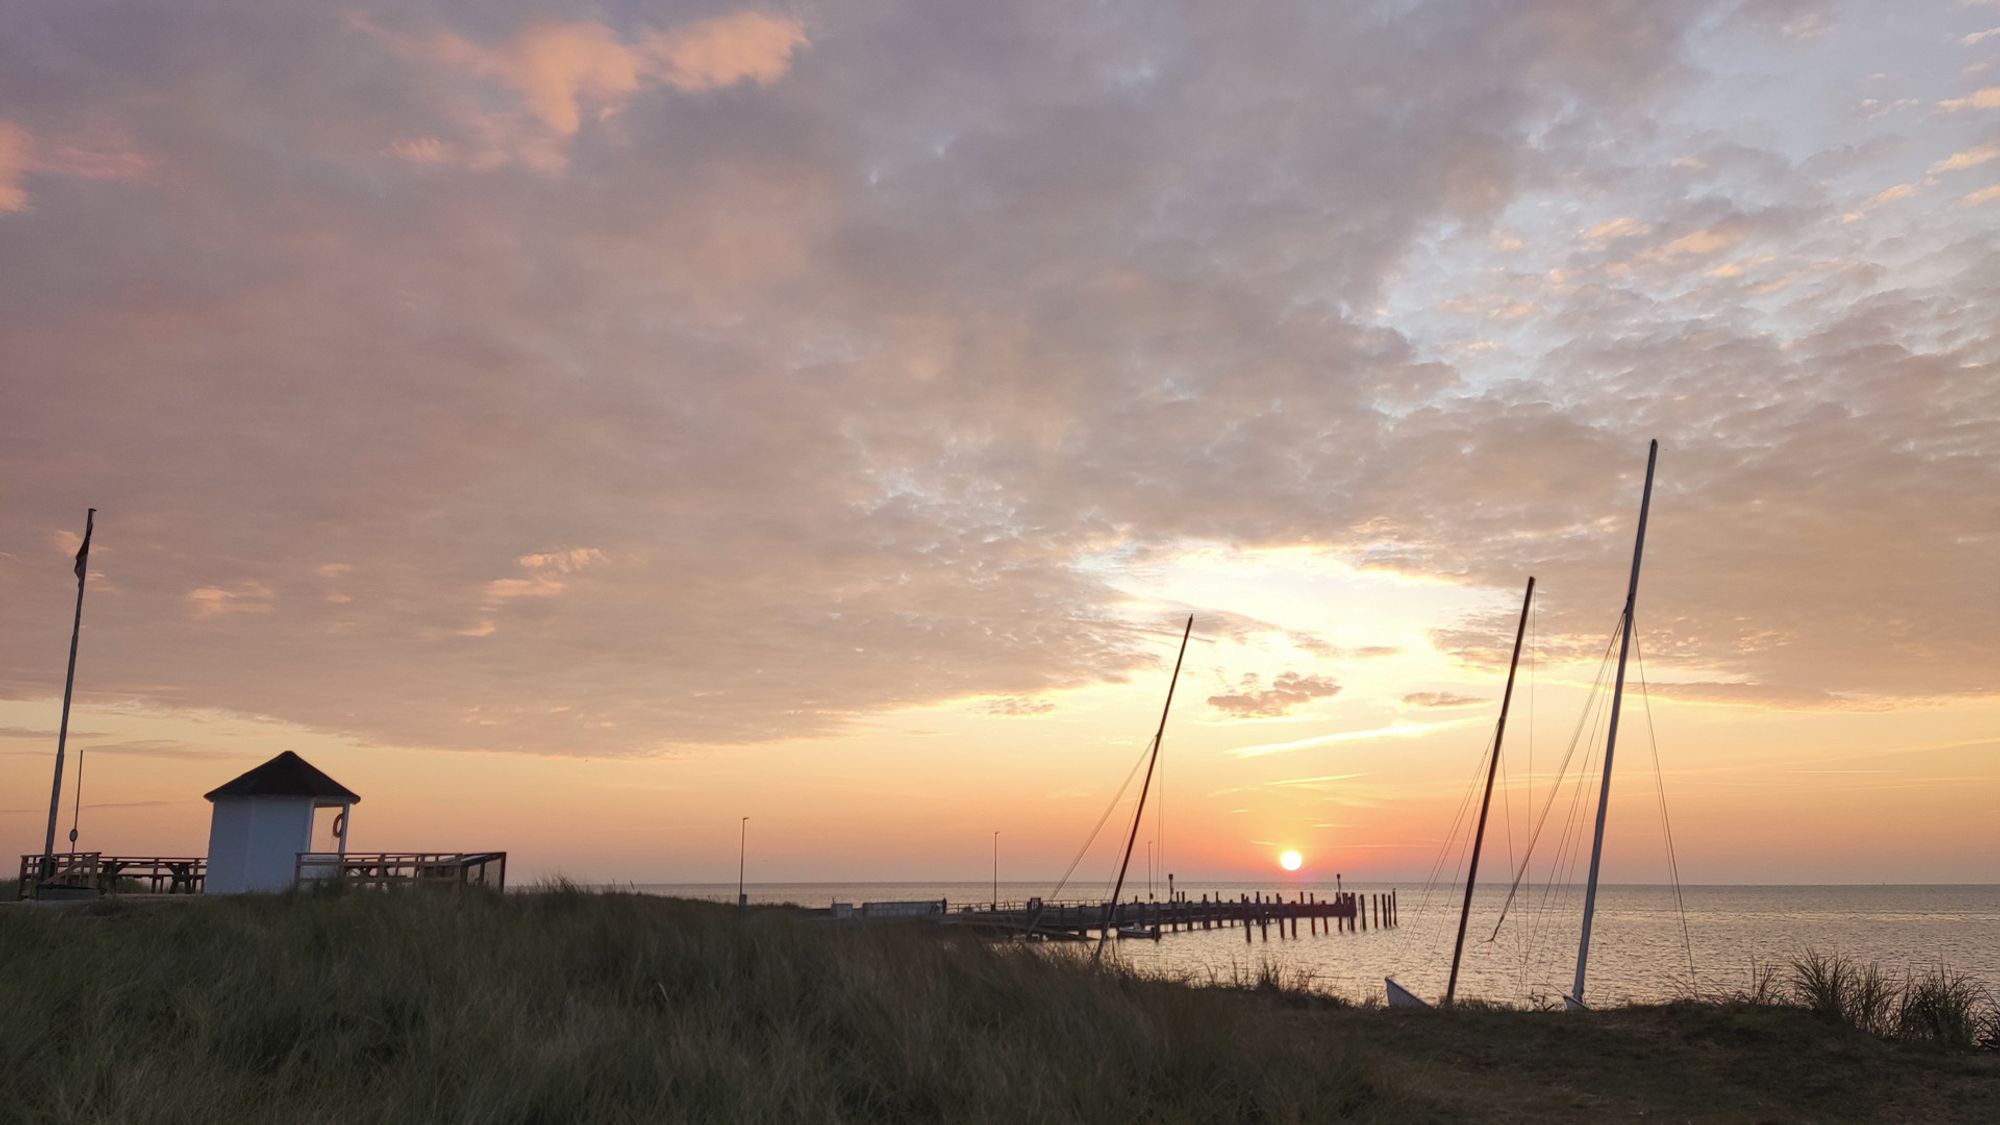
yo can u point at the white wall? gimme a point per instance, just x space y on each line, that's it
254 842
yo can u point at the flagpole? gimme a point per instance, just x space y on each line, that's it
69 684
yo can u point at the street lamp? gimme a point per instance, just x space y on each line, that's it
742 847
996 870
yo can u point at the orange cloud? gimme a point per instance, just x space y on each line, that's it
244 597
1989 98
727 50
1970 158
544 579
563 72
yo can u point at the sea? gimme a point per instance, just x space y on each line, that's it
1648 943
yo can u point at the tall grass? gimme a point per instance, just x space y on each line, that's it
1843 992
1948 1007
1937 1005
563 1006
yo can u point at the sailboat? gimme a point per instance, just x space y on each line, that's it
1400 997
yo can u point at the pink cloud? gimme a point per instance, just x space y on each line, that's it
16 151
104 154
566 73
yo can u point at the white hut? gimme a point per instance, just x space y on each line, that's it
263 820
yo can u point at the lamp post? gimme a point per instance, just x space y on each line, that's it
996 870
742 848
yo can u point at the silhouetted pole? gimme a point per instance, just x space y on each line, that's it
1104 932
1611 739
69 684
1486 802
996 871
742 849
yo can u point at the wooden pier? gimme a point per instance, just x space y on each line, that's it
1256 914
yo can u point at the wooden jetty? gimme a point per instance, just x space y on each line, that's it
1256 914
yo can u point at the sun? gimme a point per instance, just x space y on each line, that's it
1291 861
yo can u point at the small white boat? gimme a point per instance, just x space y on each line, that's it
1400 997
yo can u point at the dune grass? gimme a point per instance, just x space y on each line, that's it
560 1005
1936 1005
564 1006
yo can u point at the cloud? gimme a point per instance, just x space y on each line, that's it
1982 196
16 155
1988 98
1764 697
1970 158
97 153
243 597
1017 706
1622 227
565 73
1395 730
1290 690
713 54
869 380
1441 699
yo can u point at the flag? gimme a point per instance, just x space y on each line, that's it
83 552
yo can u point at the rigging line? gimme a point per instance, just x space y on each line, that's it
1117 799
1438 933
1419 916
1556 892
1562 770
1666 825
1451 834
1569 842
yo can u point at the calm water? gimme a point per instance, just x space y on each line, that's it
1637 948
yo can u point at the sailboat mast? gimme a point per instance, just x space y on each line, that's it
48 868
1611 740
1485 802
1139 813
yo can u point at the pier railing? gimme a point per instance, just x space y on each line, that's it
400 869
1348 911
95 872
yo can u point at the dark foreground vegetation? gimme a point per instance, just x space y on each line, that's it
564 1006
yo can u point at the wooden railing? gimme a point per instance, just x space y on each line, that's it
112 874
396 869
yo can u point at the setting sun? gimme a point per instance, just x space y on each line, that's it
1291 861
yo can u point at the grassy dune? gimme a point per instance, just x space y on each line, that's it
563 1006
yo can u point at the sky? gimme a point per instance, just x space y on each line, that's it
576 427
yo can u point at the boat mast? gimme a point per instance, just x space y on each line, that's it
1492 767
1139 813
48 868
1575 997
